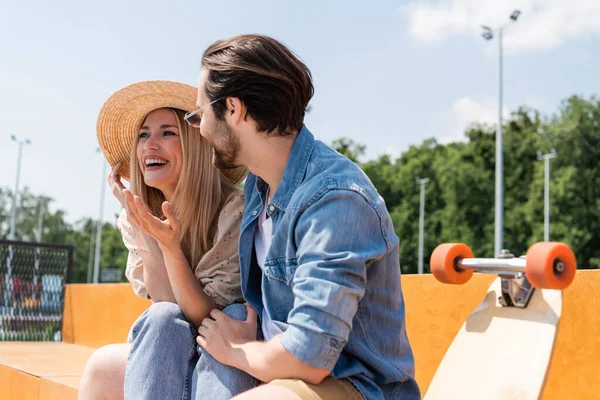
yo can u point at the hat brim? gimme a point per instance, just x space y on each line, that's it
122 115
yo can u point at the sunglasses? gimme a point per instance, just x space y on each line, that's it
194 118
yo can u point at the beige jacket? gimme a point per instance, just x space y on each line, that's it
218 271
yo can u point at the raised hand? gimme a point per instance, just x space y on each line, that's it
166 233
116 186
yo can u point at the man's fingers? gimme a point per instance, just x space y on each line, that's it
207 323
217 314
203 331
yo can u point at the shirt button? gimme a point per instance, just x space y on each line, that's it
254 212
272 208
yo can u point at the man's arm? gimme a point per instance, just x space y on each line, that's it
338 236
267 361
329 282
233 343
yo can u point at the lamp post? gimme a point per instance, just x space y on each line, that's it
546 158
99 225
421 182
13 219
38 237
91 255
488 34
15 203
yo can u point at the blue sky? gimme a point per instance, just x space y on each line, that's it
387 74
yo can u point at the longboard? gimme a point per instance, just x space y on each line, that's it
503 349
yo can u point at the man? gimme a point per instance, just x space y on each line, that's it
318 253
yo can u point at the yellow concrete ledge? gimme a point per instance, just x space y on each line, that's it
41 370
96 315
59 387
435 313
18 385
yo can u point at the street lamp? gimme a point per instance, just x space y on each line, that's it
488 34
13 217
43 204
91 255
421 182
99 226
546 158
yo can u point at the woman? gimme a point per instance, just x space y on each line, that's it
180 222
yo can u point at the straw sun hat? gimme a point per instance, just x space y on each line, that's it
122 115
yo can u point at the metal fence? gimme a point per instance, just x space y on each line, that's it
32 290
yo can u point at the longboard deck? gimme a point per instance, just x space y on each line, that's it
500 352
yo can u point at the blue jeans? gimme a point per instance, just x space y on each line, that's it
166 363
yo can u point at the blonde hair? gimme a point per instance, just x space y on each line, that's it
198 196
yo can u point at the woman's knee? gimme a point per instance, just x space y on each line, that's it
160 316
106 360
104 373
164 312
162 322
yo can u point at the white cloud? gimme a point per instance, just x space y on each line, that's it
543 24
466 111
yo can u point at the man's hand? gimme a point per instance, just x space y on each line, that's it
222 336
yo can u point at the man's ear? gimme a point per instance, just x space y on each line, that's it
236 110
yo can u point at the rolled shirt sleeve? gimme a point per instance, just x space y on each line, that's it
338 236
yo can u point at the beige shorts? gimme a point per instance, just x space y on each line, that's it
328 389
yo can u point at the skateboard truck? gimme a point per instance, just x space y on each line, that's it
547 266
516 288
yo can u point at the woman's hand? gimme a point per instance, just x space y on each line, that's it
166 232
116 186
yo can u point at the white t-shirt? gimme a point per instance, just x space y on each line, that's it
262 244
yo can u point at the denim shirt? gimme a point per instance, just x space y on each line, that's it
331 278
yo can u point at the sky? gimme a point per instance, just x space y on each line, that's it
387 74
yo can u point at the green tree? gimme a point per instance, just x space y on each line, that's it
57 230
461 192
349 148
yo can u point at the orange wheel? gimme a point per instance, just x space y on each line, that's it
550 265
443 261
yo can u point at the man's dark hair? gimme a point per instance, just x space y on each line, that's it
274 85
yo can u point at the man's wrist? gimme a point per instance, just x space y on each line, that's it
242 354
240 357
